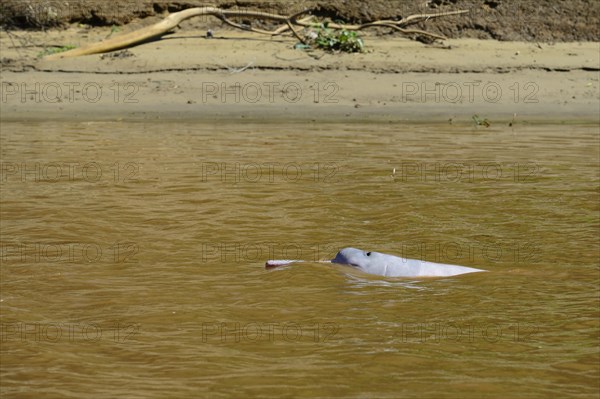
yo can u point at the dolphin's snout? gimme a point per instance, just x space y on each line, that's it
343 257
339 258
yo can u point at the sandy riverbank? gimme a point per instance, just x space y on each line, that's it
240 75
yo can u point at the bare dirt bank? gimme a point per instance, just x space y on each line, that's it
240 75
512 20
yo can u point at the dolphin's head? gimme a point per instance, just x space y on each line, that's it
394 266
368 262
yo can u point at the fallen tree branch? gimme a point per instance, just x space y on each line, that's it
287 24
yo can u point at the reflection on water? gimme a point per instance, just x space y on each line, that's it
133 254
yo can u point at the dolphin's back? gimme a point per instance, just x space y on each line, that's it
402 267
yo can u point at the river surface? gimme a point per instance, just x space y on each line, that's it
133 260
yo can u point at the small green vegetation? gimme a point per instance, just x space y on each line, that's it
114 29
340 40
481 121
54 50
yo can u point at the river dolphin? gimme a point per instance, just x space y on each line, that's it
394 266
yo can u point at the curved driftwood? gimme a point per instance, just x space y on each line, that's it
287 24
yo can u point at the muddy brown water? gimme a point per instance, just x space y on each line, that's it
133 260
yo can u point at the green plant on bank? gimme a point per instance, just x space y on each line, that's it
114 29
336 40
54 50
481 122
